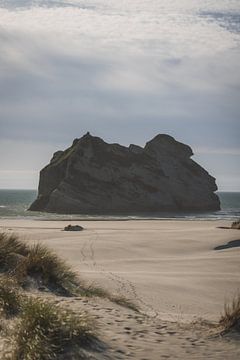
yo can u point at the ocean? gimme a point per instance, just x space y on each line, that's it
14 204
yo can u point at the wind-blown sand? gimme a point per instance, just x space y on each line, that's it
169 268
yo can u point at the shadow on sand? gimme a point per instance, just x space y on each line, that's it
229 245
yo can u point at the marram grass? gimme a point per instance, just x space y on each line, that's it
48 269
10 246
38 266
36 262
45 330
230 320
42 329
10 297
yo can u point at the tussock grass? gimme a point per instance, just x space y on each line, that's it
38 263
230 320
10 245
48 269
10 298
45 331
40 329
39 266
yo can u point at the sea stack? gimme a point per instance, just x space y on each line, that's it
95 177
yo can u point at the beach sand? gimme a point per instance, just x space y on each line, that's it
169 268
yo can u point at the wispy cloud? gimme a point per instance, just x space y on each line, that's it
227 19
123 70
161 27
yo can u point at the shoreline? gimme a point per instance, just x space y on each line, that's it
118 218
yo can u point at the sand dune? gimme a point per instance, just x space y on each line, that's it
169 268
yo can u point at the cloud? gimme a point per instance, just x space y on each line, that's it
161 27
26 4
50 93
226 19
122 70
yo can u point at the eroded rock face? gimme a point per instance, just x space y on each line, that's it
93 176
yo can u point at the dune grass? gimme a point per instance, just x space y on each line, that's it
123 301
47 269
44 331
37 265
41 329
230 320
10 245
10 298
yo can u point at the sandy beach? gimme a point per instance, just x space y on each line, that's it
168 268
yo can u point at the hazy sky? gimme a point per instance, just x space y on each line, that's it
124 70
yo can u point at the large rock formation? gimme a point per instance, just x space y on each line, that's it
93 176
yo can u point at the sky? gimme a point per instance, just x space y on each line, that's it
123 70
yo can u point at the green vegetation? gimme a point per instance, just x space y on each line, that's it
41 329
10 247
230 320
38 263
38 266
47 269
10 298
45 330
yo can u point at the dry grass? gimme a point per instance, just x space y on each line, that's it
40 267
37 263
230 320
42 330
45 330
48 269
10 298
123 301
10 245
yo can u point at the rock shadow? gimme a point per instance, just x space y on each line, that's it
229 245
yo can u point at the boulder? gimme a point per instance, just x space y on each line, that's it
95 177
73 228
236 224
